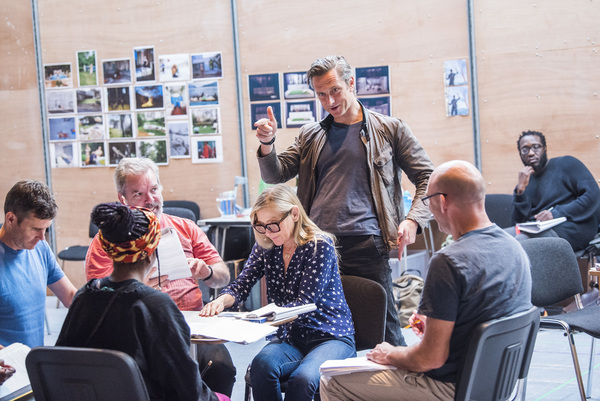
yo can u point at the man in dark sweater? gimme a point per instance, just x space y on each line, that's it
559 187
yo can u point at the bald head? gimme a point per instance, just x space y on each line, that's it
460 180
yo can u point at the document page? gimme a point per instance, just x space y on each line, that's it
14 355
171 256
348 365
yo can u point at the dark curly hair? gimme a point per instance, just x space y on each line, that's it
527 133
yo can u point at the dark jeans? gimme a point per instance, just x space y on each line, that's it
220 376
366 256
298 364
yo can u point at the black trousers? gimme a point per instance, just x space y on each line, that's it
366 256
220 376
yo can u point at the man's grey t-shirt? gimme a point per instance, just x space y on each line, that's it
343 203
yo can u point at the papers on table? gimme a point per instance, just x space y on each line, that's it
18 385
170 254
271 312
228 329
535 227
349 365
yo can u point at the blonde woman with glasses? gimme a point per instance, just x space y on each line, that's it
299 262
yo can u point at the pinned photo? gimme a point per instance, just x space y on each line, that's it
207 149
149 97
62 129
118 98
203 93
120 125
259 111
89 100
144 64
176 99
155 150
295 86
63 154
372 80
300 113
87 68
58 76
457 101
117 71
118 151
263 87
92 154
205 120
60 102
379 105
174 67
90 127
179 139
207 65
455 72
151 123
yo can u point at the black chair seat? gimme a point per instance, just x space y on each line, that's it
75 252
586 320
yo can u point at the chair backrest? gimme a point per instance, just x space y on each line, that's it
74 374
367 301
555 273
180 212
499 209
191 205
499 353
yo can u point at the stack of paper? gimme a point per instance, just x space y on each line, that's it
14 355
234 330
271 312
350 365
173 262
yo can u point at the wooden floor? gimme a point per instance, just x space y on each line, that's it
551 376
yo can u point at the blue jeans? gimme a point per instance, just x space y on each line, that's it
298 364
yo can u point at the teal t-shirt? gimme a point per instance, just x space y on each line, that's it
24 276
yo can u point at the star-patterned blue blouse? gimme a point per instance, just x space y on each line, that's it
312 277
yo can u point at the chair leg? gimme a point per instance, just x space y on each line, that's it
576 364
590 380
248 393
520 390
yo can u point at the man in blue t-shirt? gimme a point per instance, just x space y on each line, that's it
483 275
27 265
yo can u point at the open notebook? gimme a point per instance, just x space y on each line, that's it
18 385
535 227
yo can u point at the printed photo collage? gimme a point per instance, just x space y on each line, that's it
300 106
157 106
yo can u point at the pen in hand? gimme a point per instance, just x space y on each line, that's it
410 325
206 368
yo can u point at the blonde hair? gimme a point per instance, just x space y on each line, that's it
281 199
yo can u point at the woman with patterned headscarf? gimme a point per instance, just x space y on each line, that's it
120 313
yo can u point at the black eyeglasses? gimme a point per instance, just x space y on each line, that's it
535 147
425 200
272 227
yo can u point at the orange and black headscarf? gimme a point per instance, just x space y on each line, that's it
127 234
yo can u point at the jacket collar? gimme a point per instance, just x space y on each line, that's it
327 121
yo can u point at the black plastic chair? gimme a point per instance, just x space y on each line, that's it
191 205
75 374
180 212
77 252
367 301
499 355
499 209
555 276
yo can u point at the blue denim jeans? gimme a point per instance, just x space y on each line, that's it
298 364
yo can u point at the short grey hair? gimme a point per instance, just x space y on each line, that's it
323 65
133 166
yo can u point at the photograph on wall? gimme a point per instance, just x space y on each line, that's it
155 150
179 139
92 154
174 67
457 101
117 71
63 154
263 87
151 123
149 97
143 57
207 149
378 104
203 93
372 80
58 76
62 129
300 113
89 100
119 125
295 86
207 65
91 128
205 120
87 68
60 102
455 72
176 99
120 150
118 98
259 110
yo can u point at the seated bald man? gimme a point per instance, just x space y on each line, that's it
467 283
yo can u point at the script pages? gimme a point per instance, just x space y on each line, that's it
357 364
229 329
173 262
271 313
535 227
18 385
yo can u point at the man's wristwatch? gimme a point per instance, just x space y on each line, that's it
210 275
268 143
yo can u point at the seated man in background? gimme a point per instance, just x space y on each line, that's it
27 264
120 313
559 187
138 184
467 284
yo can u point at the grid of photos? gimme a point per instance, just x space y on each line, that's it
157 106
373 88
456 85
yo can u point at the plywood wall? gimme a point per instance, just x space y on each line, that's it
537 69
